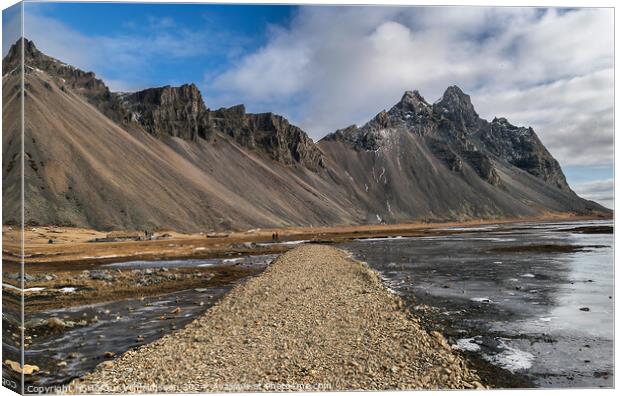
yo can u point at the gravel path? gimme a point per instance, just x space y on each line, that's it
314 320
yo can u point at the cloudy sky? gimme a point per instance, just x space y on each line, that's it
328 67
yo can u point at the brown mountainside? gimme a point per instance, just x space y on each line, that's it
161 159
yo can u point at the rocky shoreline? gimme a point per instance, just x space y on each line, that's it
63 289
314 320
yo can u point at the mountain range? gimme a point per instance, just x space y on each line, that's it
161 159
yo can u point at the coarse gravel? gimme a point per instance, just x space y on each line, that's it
314 320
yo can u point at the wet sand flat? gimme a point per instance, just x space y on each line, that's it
315 319
530 305
74 249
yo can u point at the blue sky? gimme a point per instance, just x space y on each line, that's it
181 43
327 67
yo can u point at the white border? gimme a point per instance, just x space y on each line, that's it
488 3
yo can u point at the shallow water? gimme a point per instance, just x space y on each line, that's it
545 315
251 260
121 326
518 311
115 327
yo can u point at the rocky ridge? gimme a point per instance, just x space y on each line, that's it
270 133
169 111
457 135
228 169
181 112
522 148
69 77
176 111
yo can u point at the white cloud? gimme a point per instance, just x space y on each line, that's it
601 191
337 65
333 66
565 113
288 63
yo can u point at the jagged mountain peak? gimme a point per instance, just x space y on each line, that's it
15 49
13 58
83 83
412 108
447 125
30 50
411 162
457 107
411 114
412 98
33 57
412 102
455 91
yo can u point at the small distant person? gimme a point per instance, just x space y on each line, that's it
273 236
277 236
